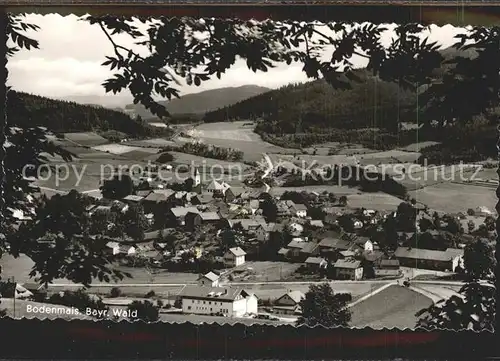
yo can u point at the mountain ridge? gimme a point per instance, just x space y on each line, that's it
201 102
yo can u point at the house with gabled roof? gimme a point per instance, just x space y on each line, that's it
179 213
263 231
233 193
193 220
215 186
299 210
289 303
210 279
234 257
447 260
348 269
315 263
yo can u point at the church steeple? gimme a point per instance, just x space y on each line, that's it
195 175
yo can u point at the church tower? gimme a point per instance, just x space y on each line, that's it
195 175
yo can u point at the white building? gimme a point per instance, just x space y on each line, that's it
300 210
234 257
230 302
368 246
210 279
195 176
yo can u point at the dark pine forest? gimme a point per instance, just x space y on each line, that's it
59 116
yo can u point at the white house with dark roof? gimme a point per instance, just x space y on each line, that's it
299 210
231 302
234 257
113 248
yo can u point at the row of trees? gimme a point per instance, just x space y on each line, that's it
27 110
208 151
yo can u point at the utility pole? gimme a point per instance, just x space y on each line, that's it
14 301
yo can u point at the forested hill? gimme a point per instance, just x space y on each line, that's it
202 102
316 104
63 116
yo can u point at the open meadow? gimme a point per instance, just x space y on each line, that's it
377 201
85 138
395 306
452 197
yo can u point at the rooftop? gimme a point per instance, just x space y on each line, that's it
211 276
209 216
133 197
182 211
296 296
425 254
315 260
213 293
237 251
347 263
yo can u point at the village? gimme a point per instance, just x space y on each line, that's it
235 237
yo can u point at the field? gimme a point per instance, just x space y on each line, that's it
416 147
453 197
82 174
263 271
156 142
395 306
337 190
368 159
85 138
376 201
434 175
116 148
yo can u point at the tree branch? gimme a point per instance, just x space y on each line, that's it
116 46
332 40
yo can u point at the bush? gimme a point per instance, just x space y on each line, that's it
165 158
115 292
150 294
146 311
7 289
40 296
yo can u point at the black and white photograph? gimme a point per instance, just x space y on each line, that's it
220 170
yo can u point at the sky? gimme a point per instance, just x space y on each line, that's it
68 63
